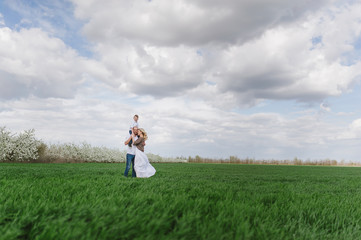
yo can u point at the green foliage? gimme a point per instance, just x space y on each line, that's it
182 201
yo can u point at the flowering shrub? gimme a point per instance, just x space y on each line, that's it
6 143
70 152
157 159
21 147
25 147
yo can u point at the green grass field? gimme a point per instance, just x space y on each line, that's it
182 201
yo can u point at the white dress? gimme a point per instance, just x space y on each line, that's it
142 166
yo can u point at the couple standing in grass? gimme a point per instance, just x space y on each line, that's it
135 152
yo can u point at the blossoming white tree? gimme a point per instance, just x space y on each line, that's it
5 143
25 147
21 147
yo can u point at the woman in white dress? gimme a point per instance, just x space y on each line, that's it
142 166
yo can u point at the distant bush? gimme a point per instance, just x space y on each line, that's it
25 147
295 161
70 152
6 142
21 147
156 158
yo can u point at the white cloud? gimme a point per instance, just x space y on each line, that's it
2 22
33 63
178 127
236 58
285 64
186 22
325 107
175 126
353 130
156 71
355 126
44 14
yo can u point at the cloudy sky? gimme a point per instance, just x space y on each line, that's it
265 79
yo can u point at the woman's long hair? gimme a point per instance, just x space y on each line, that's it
145 135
